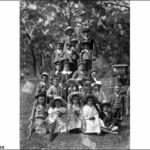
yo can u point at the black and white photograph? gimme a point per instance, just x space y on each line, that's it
74 74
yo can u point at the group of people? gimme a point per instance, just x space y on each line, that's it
71 98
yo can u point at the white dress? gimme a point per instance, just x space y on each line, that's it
74 117
91 126
61 122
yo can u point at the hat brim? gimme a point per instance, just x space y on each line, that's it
69 30
95 100
63 102
105 104
40 95
44 75
70 96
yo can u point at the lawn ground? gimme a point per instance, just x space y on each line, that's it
66 140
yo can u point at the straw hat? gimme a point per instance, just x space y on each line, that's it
70 96
69 29
44 74
58 98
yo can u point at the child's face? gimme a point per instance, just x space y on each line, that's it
57 104
90 102
81 67
71 84
44 78
66 67
105 108
96 88
74 44
75 100
86 46
55 82
59 46
41 100
117 89
68 47
93 74
58 67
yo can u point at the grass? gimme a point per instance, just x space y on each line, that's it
66 140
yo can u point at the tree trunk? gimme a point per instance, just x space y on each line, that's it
34 61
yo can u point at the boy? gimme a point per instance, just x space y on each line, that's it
117 101
80 75
86 56
58 54
107 117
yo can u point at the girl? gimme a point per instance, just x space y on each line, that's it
74 111
57 116
42 87
91 121
72 86
98 92
38 116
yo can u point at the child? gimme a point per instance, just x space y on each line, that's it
65 74
42 87
87 85
80 75
117 101
93 75
72 86
58 54
57 116
86 56
75 111
38 116
98 92
91 121
106 116
54 90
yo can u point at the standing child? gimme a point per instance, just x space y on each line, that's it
74 111
38 116
57 116
117 101
86 56
72 86
58 54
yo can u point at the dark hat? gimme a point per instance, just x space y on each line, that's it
40 95
68 29
58 63
58 98
85 42
44 74
87 29
74 40
59 42
95 100
70 96
105 104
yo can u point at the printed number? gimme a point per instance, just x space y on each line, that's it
1 147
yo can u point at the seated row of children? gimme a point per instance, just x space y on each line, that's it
84 107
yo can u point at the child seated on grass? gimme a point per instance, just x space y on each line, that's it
109 122
38 116
74 111
57 118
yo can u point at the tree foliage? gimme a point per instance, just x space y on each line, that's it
42 24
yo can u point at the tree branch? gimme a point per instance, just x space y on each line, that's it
118 5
